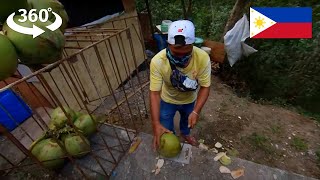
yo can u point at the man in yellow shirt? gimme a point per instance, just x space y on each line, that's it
180 78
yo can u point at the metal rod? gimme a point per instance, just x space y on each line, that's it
96 30
15 122
41 79
106 174
81 40
55 83
125 68
110 87
130 95
112 20
106 145
121 139
16 166
119 82
137 70
125 94
37 114
99 95
77 90
141 39
5 158
113 148
143 48
68 118
117 136
90 75
103 33
72 47
29 86
126 58
19 145
125 22
115 92
130 81
112 23
75 74
69 86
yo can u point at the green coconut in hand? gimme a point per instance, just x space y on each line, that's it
8 58
169 145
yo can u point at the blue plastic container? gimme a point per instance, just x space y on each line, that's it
13 111
161 40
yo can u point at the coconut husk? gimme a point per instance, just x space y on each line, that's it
217 50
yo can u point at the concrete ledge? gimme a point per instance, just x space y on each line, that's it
139 165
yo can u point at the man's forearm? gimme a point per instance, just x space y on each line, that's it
203 95
155 107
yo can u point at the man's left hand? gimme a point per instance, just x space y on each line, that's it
193 119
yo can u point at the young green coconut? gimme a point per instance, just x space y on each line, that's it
86 124
49 153
59 119
169 145
77 145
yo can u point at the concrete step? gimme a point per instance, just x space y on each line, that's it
139 165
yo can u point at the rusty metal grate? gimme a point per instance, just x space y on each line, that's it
99 72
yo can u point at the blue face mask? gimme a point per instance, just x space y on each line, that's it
178 61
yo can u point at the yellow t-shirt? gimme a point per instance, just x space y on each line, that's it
199 68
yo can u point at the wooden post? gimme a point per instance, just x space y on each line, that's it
129 5
189 10
184 9
150 16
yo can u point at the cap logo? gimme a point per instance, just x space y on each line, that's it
180 30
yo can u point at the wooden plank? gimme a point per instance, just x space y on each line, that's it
94 85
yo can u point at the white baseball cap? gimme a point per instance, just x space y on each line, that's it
181 28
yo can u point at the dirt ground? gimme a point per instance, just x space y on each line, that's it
264 134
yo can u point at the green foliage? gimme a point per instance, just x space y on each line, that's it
299 144
284 71
260 141
276 129
209 16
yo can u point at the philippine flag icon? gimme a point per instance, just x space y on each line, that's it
280 22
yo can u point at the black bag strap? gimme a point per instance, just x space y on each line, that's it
173 67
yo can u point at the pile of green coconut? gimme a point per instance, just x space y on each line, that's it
67 135
17 48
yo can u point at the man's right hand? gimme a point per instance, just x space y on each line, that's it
158 130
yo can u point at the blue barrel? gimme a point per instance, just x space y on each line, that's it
161 41
13 110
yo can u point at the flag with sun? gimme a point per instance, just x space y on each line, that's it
280 22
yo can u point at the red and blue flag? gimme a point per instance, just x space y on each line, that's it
280 22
